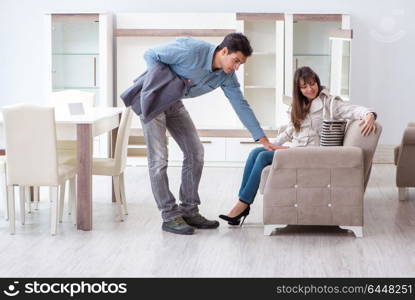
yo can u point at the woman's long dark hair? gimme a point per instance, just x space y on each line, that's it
301 105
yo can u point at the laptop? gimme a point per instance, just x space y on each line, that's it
76 108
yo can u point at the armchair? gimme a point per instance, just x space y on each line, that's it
404 158
319 185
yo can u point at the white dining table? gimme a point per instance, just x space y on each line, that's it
83 128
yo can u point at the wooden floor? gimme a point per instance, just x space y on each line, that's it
138 248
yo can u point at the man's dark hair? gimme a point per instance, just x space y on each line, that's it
235 42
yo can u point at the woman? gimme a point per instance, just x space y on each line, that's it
310 102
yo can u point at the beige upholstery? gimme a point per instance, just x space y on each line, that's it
61 100
319 185
404 157
115 166
30 139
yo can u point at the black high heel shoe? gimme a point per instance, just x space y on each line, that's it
237 219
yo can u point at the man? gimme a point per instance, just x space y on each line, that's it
206 67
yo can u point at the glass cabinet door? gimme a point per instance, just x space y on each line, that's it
340 63
311 47
75 52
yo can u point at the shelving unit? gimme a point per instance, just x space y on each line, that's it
263 71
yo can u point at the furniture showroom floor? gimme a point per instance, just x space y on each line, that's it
138 248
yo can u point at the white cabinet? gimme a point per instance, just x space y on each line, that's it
214 149
238 149
79 56
217 149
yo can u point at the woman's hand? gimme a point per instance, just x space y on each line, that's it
269 146
368 124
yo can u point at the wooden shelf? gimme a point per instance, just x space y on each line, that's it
318 17
259 16
173 32
75 17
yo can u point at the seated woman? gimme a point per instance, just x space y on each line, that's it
310 102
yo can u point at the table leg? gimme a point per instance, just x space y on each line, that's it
114 134
84 178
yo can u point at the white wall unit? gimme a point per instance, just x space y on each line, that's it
79 56
280 42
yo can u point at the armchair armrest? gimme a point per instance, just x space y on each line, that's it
404 158
318 157
409 136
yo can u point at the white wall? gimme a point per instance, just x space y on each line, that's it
383 47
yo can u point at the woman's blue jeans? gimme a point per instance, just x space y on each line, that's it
258 159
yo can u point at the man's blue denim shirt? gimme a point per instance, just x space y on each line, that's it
192 59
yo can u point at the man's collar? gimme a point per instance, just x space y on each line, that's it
209 62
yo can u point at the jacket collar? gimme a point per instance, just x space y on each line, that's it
317 103
324 94
209 61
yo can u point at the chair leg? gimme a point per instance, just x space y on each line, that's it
116 180
54 209
268 229
11 213
357 230
123 198
72 198
36 197
22 204
69 197
402 193
3 187
61 200
28 199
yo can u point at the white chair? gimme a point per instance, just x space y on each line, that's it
25 192
115 166
32 160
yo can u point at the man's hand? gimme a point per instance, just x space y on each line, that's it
368 124
269 146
